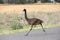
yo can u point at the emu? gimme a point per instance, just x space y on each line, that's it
32 21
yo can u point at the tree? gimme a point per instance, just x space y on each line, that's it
1 1
35 1
57 0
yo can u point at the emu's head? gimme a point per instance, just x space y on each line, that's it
24 9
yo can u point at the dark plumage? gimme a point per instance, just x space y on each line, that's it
33 21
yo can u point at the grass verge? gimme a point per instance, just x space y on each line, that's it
27 29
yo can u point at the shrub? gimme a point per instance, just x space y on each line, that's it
16 25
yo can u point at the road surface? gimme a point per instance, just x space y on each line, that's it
50 34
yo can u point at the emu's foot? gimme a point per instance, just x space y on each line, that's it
44 30
26 35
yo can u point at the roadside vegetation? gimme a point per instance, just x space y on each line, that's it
14 22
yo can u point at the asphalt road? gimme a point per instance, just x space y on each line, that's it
50 34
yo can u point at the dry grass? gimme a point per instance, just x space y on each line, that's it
30 8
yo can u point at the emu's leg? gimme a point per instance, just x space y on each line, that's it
29 30
42 27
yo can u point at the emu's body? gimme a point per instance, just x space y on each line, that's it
33 21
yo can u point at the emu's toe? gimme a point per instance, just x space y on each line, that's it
44 30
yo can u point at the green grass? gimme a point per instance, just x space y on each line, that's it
27 29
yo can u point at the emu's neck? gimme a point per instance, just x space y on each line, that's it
26 16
